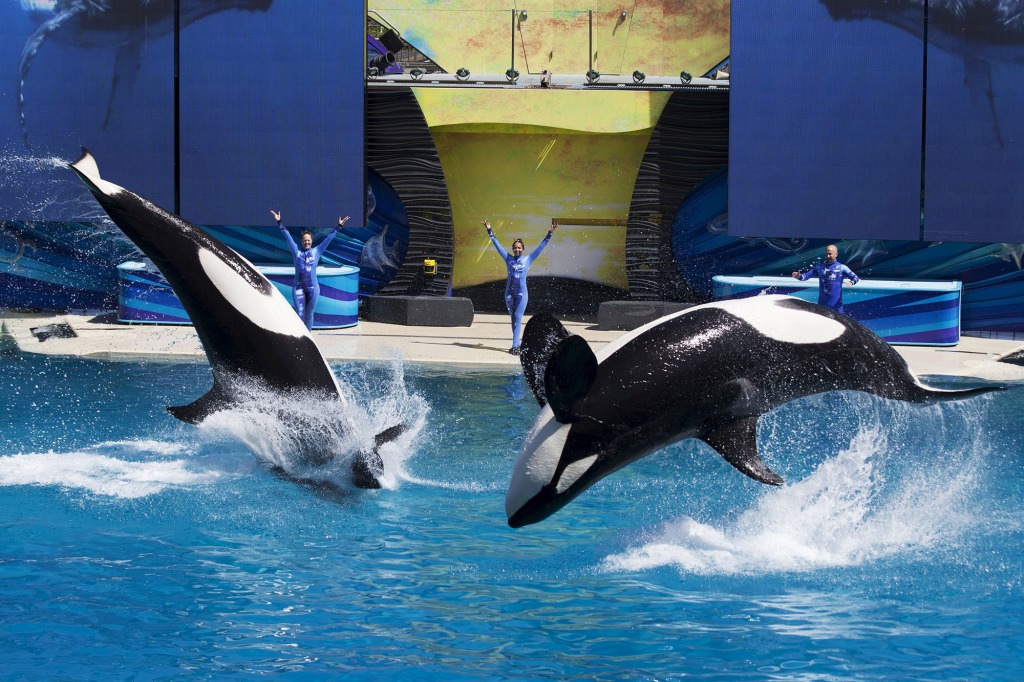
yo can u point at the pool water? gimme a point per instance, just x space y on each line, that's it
138 547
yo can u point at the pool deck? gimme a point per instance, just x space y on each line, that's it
483 345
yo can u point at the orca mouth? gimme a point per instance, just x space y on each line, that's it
526 516
540 506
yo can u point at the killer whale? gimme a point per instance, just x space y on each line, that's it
247 329
708 372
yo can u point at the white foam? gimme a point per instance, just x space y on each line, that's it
101 474
836 517
314 439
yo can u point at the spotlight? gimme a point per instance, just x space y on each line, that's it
383 61
685 77
639 76
372 72
462 74
512 75
416 73
593 76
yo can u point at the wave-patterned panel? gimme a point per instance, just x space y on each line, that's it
400 148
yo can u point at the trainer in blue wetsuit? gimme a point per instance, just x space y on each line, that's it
305 288
830 276
515 288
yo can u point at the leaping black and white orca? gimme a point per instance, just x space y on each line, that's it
247 328
707 372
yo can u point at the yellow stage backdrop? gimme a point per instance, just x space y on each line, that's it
502 163
525 157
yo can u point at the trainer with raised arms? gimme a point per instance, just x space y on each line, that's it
518 265
305 288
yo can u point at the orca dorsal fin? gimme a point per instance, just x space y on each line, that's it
541 337
569 375
198 410
736 441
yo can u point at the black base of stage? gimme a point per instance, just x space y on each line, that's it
420 311
628 315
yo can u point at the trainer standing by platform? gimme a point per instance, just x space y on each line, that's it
515 288
830 276
306 288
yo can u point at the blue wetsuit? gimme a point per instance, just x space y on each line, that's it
830 282
515 288
305 288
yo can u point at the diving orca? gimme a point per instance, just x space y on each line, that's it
707 372
247 328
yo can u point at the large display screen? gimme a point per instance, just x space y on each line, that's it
84 74
974 132
270 112
825 119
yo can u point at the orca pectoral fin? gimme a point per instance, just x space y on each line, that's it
736 441
389 434
569 375
193 413
541 337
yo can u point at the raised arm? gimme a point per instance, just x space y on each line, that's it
292 246
544 242
494 240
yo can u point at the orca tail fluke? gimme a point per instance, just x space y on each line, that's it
198 410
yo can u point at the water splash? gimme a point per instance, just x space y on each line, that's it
907 483
43 188
105 469
312 439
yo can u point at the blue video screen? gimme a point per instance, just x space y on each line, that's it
96 78
825 120
272 114
974 132
269 115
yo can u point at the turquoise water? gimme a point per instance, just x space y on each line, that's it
137 547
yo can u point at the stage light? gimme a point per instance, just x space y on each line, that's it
512 75
685 77
639 76
462 74
416 73
383 61
593 76
372 72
